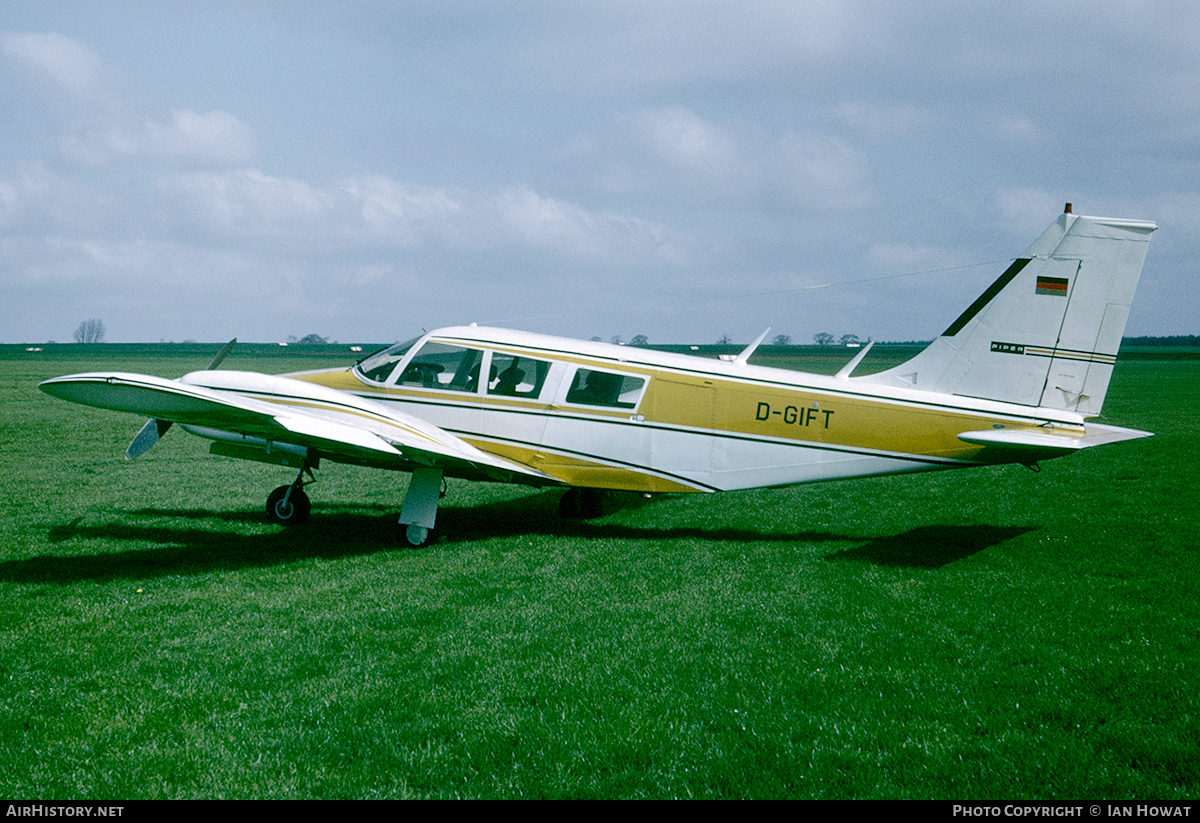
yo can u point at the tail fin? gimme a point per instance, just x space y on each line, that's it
1046 333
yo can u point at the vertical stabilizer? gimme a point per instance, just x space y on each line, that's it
1046 333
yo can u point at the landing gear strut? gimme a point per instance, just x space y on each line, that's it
420 508
289 505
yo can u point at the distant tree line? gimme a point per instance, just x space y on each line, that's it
90 331
824 338
93 331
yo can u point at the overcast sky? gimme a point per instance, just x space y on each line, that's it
363 170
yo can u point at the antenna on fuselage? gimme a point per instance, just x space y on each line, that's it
844 371
749 350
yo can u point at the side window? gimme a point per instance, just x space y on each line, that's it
443 366
600 388
516 376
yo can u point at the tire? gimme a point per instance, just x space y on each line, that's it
581 504
296 510
413 536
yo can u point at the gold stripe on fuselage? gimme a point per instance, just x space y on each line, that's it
754 407
578 471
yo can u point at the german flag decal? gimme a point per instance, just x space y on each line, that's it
1052 285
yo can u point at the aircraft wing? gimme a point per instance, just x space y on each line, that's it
256 407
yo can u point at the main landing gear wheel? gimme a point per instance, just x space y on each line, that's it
581 504
288 509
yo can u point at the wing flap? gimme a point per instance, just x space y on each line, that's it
331 432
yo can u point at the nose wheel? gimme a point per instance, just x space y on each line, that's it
419 514
413 535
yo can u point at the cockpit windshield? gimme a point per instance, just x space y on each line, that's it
378 367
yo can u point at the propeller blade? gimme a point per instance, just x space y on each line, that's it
226 349
146 438
154 428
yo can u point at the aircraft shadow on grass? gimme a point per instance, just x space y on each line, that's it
342 531
931 547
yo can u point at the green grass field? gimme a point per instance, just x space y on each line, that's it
992 633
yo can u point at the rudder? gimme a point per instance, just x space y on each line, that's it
1047 332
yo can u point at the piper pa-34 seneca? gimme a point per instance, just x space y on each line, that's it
1012 380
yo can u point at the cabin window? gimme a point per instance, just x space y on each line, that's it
512 375
443 366
601 388
378 367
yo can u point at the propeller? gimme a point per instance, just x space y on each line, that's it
154 428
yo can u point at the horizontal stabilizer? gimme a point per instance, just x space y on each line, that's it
1045 444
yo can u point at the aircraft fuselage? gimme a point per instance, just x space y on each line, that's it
688 423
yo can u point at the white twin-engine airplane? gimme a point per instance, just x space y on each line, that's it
1012 380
